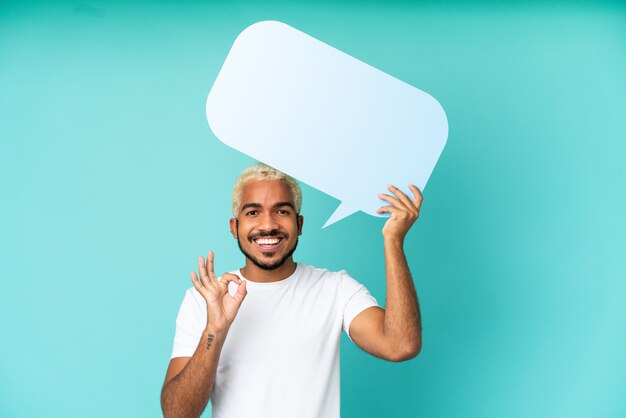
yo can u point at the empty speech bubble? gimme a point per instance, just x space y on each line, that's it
324 117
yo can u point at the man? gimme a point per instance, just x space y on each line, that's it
263 341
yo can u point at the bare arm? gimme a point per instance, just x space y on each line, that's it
394 333
189 380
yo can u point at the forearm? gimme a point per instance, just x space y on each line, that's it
187 394
402 324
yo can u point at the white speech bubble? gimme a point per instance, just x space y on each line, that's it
324 117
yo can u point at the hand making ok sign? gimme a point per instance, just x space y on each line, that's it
221 306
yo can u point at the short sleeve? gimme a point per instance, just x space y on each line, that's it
190 323
356 298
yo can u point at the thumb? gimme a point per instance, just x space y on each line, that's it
241 293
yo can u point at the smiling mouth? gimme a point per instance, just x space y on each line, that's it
268 244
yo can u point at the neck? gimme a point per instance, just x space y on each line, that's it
257 274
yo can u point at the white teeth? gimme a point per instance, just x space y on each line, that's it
267 241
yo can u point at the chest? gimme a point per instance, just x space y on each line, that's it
284 323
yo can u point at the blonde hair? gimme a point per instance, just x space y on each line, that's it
260 171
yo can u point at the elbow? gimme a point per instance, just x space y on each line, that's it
165 404
406 351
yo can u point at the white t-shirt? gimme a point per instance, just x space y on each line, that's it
281 354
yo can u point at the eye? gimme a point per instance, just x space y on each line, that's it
251 213
282 212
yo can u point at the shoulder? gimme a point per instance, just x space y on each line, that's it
193 298
192 293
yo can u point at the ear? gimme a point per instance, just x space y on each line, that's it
300 223
233 227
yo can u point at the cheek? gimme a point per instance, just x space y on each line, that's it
243 231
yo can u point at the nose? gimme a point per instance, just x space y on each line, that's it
268 222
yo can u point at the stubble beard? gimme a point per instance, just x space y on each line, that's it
266 266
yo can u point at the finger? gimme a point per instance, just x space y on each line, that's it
417 200
204 277
387 209
226 279
241 293
211 266
401 195
393 200
195 281
229 277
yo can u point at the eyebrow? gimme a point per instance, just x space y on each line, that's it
279 204
250 205
258 205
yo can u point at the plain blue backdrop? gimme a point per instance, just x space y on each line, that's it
112 184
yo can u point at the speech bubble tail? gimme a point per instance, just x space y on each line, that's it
342 211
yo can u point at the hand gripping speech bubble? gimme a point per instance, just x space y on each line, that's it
324 117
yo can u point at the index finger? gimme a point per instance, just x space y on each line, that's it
229 277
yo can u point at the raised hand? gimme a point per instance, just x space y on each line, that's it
221 306
404 211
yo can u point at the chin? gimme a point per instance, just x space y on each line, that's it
276 261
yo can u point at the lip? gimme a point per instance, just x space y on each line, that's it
268 247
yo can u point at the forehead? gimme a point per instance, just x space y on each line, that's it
266 192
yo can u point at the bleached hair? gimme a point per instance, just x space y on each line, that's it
262 171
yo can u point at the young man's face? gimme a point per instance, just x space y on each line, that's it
267 226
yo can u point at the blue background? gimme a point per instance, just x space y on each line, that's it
112 184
